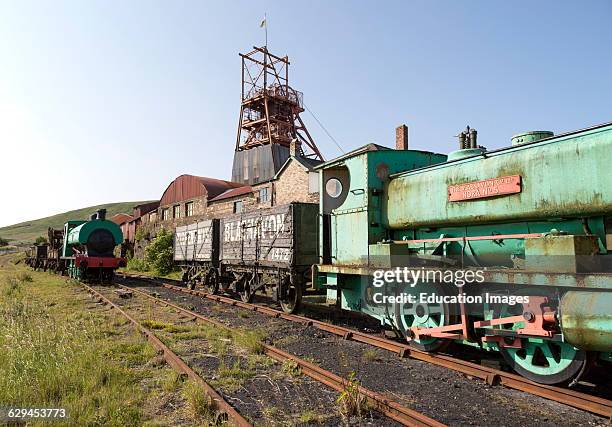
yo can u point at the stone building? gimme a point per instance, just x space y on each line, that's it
294 182
184 201
190 198
132 222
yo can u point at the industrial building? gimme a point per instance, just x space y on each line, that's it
274 159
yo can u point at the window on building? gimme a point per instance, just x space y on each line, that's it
165 214
264 195
189 209
238 206
313 182
176 211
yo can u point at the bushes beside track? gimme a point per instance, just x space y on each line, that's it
158 256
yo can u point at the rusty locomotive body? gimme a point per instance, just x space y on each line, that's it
507 250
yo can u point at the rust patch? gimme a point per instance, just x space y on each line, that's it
382 171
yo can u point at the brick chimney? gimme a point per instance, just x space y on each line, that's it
401 137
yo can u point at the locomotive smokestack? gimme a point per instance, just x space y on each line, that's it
462 144
101 214
468 138
473 135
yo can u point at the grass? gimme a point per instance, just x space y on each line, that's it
27 232
140 269
167 327
244 346
55 352
310 417
371 355
199 404
291 368
231 378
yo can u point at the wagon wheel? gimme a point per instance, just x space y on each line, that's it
293 298
185 279
245 290
211 282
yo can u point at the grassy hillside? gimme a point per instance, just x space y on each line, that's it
27 232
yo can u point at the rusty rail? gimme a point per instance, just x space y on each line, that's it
594 404
390 408
224 409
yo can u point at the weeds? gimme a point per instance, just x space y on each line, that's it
12 288
371 355
350 402
310 417
251 341
199 404
24 277
167 327
172 381
138 265
232 378
291 368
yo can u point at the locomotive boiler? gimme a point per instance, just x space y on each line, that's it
88 248
532 221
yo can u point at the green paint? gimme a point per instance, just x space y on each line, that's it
420 198
392 196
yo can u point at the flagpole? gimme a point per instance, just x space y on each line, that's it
266 28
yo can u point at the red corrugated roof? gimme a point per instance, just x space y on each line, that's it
120 218
233 193
187 187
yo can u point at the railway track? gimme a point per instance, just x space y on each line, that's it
583 401
380 403
225 412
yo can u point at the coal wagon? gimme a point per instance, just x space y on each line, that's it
196 251
268 250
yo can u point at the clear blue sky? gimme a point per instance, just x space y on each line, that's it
104 101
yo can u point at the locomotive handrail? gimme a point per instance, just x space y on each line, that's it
471 238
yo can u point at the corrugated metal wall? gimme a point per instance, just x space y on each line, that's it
258 164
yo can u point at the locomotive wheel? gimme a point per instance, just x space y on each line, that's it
542 361
293 300
547 362
409 315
